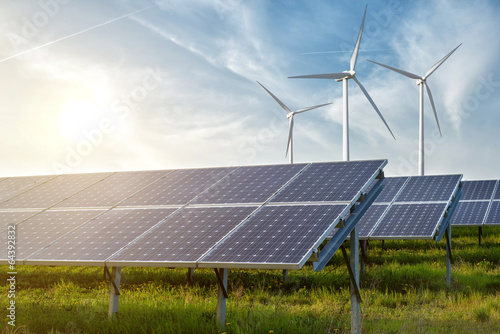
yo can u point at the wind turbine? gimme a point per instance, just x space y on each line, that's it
344 76
421 81
290 117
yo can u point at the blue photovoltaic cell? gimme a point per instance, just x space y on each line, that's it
370 219
330 182
178 187
469 213
494 214
477 190
250 184
410 220
53 191
103 236
113 189
277 234
185 236
13 186
390 188
44 228
429 188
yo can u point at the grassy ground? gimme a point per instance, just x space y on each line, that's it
404 291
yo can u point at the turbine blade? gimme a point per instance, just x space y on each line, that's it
373 105
334 76
275 98
290 133
355 52
433 106
310 108
435 67
406 74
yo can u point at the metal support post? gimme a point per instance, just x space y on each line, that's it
363 245
190 275
285 275
448 255
355 298
114 289
221 296
480 234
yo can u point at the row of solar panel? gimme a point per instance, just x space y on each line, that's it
275 236
409 207
479 204
319 182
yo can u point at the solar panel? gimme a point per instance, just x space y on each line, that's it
178 187
54 191
184 237
103 236
370 219
250 184
390 188
478 190
44 228
331 182
13 186
113 189
470 213
429 188
8 218
276 235
497 194
494 214
410 221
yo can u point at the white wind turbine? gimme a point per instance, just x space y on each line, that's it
290 115
344 76
421 81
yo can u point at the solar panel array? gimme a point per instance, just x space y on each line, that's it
254 216
479 204
409 207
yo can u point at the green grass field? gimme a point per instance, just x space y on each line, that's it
404 291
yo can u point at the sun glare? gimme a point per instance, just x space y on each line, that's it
79 116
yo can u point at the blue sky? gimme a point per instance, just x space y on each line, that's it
174 85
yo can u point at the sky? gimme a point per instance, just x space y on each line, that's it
90 86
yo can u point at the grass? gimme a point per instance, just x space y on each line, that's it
403 291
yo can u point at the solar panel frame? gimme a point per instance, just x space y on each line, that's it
493 215
433 210
478 190
289 193
160 192
417 188
42 229
101 249
55 190
123 185
184 218
497 191
210 260
463 215
12 186
240 186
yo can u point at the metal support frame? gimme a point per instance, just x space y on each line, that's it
449 259
333 245
114 290
221 296
480 234
285 275
363 246
190 275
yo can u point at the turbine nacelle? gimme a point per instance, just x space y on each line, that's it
349 75
420 82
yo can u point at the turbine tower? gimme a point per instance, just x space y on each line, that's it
344 77
422 81
290 115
